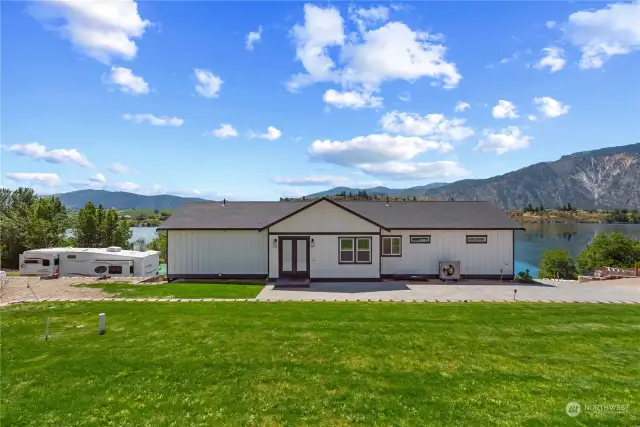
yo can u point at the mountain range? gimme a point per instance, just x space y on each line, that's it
601 179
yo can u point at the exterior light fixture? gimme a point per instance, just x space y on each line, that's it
275 243
313 243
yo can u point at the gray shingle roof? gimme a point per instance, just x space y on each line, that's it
407 215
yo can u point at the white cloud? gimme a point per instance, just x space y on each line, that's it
404 96
126 186
38 151
433 126
312 181
119 168
373 149
551 24
370 57
554 59
416 170
225 131
603 33
271 135
532 118
128 82
253 37
97 178
48 179
461 106
352 99
208 84
99 29
367 17
550 107
154 120
508 139
504 109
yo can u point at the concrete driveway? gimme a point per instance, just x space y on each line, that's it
627 290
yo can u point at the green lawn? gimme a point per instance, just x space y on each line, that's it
178 290
328 364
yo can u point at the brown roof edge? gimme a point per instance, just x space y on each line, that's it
316 202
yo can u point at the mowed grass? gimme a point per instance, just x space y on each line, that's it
178 290
328 364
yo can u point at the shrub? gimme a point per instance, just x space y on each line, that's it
609 250
524 276
556 261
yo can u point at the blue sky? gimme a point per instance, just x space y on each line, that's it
261 100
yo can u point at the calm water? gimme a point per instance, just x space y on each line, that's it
529 244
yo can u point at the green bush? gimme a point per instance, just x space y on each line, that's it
524 276
609 250
556 261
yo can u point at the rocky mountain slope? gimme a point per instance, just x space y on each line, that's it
602 179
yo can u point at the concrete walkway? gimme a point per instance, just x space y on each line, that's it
558 291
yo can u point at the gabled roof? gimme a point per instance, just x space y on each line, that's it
430 215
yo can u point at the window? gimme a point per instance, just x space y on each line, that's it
31 261
101 269
131 269
419 239
56 261
392 246
115 269
46 263
477 239
355 250
71 257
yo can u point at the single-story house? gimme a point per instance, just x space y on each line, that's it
328 240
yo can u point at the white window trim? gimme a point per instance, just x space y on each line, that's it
355 250
391 246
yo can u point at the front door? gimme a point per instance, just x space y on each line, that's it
294 257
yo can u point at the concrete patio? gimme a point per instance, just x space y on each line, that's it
469 290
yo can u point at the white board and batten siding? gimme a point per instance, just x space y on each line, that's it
325 217
451 245
214 252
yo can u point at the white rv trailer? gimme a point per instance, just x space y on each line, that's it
112 261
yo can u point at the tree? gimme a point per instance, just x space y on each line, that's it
96 228
609 250
159 244
46 223
556 261
87 228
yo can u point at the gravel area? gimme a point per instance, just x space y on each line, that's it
17 290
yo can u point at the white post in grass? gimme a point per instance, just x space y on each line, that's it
102 323
46 331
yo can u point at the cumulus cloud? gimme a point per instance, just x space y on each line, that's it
127 81
252 38
351 99
433 126
154 120
550 107
102 30
373 149
225 131
370 57
272 134
603 33
38 151
208 84
553 59
97 178
312 181
504 109
35 179
119 168
126 186
461 106
416 170
508 139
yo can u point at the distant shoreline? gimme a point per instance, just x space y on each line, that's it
551 216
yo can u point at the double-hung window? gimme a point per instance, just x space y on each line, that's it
355 250
391 246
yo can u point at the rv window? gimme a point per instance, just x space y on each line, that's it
131 269
115 269
56 261
71 257
100 269
46 262
31 261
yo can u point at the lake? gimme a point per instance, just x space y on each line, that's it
529 244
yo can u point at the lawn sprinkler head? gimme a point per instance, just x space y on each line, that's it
515 291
